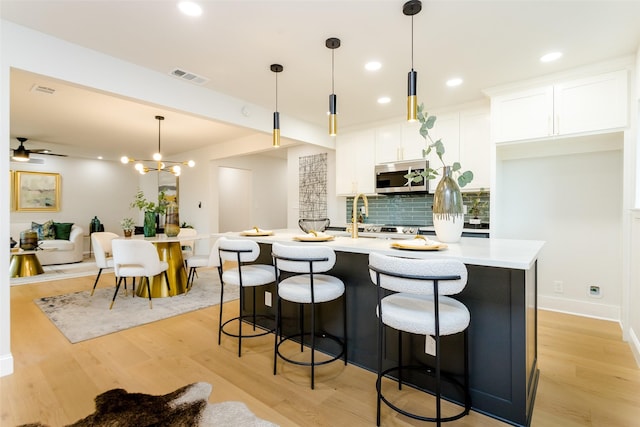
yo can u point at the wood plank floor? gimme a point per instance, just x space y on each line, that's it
588 375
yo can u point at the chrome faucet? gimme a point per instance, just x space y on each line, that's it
354 219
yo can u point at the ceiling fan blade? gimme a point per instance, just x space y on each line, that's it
47 152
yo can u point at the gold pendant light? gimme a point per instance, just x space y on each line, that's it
333 43
411 8
160 165
276 68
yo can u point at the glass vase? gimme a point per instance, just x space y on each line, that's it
149 224
448 216
172 220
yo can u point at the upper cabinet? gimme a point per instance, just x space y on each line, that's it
355 160
398 142
591 104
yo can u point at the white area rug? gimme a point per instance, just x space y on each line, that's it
59 272
80 316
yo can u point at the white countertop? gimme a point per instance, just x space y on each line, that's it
505 253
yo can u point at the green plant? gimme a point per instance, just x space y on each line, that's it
426 123
127 223
477 205
140 202
185 225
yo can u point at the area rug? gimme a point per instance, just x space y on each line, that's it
60 272
186 407
80 316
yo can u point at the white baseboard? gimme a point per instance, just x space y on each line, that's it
634 343
579 308
6 364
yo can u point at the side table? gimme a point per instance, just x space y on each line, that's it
24 263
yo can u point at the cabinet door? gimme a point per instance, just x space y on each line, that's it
355 159
591 104
388 143
475 147
522 115
446 128
412 142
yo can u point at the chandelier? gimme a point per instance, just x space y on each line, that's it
159 165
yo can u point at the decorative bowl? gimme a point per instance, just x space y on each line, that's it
319 224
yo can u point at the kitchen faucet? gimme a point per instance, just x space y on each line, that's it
354 219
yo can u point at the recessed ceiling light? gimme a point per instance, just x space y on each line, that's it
99 157
457 81
550 57
384 100
190 8
372 66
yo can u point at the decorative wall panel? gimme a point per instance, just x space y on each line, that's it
313 186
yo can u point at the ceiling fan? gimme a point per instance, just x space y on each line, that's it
21 154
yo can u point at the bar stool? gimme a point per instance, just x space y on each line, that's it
242 251
412 297
306 286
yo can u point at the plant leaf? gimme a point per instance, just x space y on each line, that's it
431 120
456 167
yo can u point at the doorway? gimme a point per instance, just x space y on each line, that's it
235 193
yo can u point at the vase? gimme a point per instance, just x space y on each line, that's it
149 224
127 233
172 220
448 216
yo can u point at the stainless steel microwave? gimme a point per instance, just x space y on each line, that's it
390 177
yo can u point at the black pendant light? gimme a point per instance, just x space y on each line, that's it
21 154
333 43
410 8
276 68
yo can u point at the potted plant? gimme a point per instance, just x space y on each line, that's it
150 209
127 225
448 216
477 208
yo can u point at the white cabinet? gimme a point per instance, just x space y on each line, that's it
585 105
475 147
398 142
355 160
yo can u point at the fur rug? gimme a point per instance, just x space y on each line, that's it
186 407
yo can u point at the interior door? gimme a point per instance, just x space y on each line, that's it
235 193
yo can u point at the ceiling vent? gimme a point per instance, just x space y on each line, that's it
189 76
43 89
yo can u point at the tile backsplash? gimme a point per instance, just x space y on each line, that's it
410 209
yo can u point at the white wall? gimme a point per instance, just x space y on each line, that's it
574 203
89 188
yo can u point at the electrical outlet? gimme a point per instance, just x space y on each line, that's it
267 298
558 287
594 291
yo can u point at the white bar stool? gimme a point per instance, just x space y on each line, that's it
412 297
242 251
306 285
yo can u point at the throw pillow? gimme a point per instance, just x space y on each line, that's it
63 230
38 229
48 231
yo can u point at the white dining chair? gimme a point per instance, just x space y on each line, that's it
188 246
101 244
137 258
212 260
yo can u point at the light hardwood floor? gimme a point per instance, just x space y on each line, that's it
588 375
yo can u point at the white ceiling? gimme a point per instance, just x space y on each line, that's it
486 43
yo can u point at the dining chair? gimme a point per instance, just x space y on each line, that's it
197 261
188 246
101 244
137 258
414 298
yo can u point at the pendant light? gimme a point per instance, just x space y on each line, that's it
410 8
276 68
159 165
333 43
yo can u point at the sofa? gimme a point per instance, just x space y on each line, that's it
54 250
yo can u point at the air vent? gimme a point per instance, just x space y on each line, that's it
189 76
43 89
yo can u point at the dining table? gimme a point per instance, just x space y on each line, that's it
169 250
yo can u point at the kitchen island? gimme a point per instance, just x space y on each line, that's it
501 297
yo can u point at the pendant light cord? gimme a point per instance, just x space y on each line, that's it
411 42
332 73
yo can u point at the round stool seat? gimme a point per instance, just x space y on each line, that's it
252 275
415 314
298 288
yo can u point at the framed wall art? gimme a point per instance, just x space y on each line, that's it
36 191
